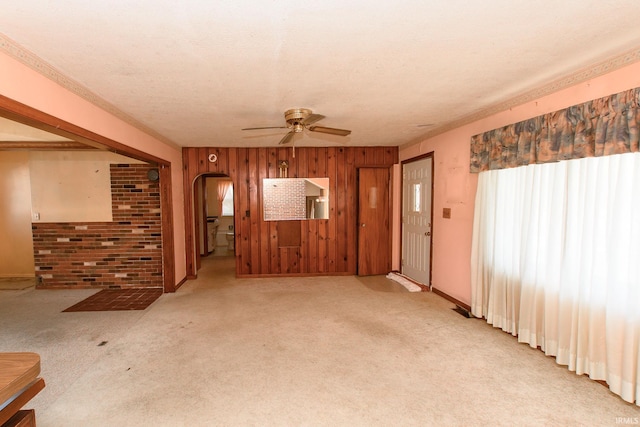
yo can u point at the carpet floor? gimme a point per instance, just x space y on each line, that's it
290 351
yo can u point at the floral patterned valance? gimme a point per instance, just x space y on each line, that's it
600 127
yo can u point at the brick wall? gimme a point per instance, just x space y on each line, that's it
284 199
125 253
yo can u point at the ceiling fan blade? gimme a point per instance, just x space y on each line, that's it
266 127
332 131
312 118
287 138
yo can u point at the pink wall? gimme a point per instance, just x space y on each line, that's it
455 187
22 84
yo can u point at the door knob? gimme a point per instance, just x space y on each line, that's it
428 233
363 224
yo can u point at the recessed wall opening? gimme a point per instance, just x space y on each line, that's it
50 155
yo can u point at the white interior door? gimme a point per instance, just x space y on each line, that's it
416 219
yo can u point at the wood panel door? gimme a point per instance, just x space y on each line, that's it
374 234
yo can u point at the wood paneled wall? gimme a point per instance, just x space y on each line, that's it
327 246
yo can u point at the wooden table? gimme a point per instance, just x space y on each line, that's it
19 383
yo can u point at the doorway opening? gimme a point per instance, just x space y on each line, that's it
214 218
63 137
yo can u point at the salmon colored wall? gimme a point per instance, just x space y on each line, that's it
455 187
22 84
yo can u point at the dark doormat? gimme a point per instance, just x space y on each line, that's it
118 299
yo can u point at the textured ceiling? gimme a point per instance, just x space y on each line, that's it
196 72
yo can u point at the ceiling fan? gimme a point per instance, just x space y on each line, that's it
299 119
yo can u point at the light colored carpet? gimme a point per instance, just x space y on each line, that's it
328 351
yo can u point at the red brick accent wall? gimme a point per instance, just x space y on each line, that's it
125 253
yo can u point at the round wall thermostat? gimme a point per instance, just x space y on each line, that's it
153 174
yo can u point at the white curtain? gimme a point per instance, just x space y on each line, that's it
223 188
556 262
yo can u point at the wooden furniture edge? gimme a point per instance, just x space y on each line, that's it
16 404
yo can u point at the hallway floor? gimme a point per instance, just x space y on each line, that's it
289 351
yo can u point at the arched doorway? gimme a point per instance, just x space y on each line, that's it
213 217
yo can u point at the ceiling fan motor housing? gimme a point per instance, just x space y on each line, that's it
295 117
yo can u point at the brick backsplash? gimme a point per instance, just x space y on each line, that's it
284 199
124 253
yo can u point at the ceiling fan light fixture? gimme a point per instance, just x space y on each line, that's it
299 119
